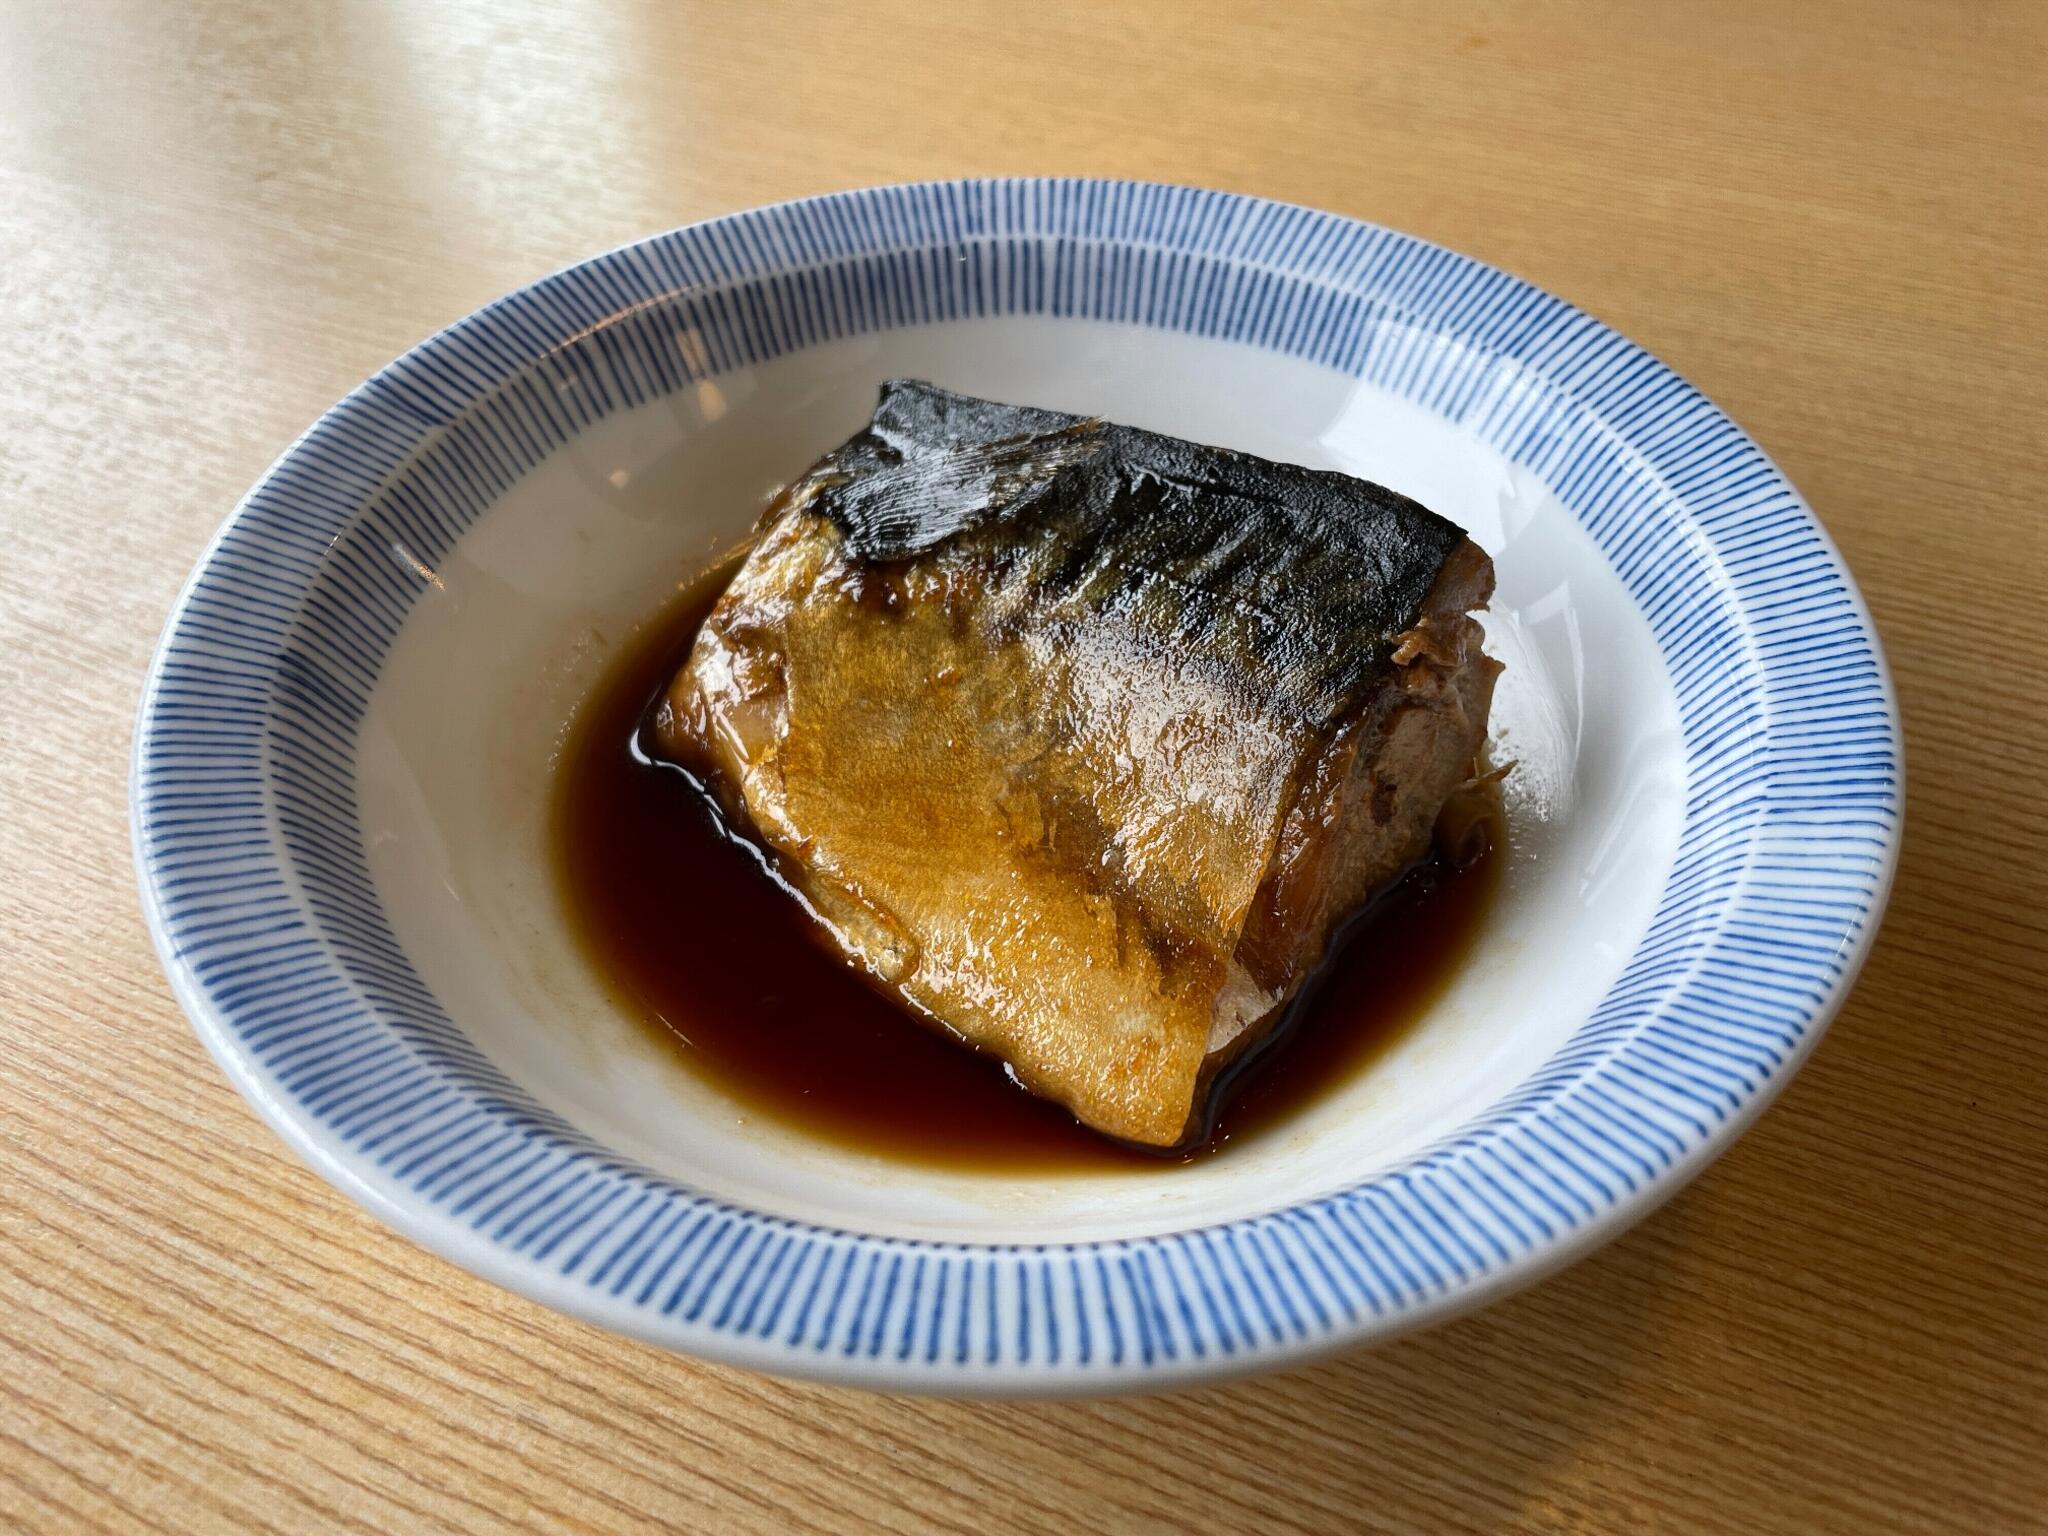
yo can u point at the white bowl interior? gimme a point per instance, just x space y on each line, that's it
457 751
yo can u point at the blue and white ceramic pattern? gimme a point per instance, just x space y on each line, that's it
342 766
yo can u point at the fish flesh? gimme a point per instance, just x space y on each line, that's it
1079 740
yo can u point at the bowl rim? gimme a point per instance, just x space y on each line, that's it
1449 1229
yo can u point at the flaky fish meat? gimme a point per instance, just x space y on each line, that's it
1079 740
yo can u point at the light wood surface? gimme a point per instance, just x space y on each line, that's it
216 217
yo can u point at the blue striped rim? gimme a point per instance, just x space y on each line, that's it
256 881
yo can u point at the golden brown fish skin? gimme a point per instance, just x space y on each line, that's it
1023 803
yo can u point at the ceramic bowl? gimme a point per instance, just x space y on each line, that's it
345 748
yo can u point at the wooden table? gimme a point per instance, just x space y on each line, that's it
215 217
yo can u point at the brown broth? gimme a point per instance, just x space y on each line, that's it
697 939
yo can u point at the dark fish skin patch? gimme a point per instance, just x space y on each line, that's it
1285 582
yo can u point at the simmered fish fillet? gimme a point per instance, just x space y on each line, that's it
1078 740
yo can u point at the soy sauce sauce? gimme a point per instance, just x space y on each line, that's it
695 938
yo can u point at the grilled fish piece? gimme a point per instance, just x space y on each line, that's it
1078 740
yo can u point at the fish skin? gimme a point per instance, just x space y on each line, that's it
1202 549
1054 725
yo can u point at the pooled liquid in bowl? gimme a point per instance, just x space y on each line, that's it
695 938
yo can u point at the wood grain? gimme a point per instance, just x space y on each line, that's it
216 217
